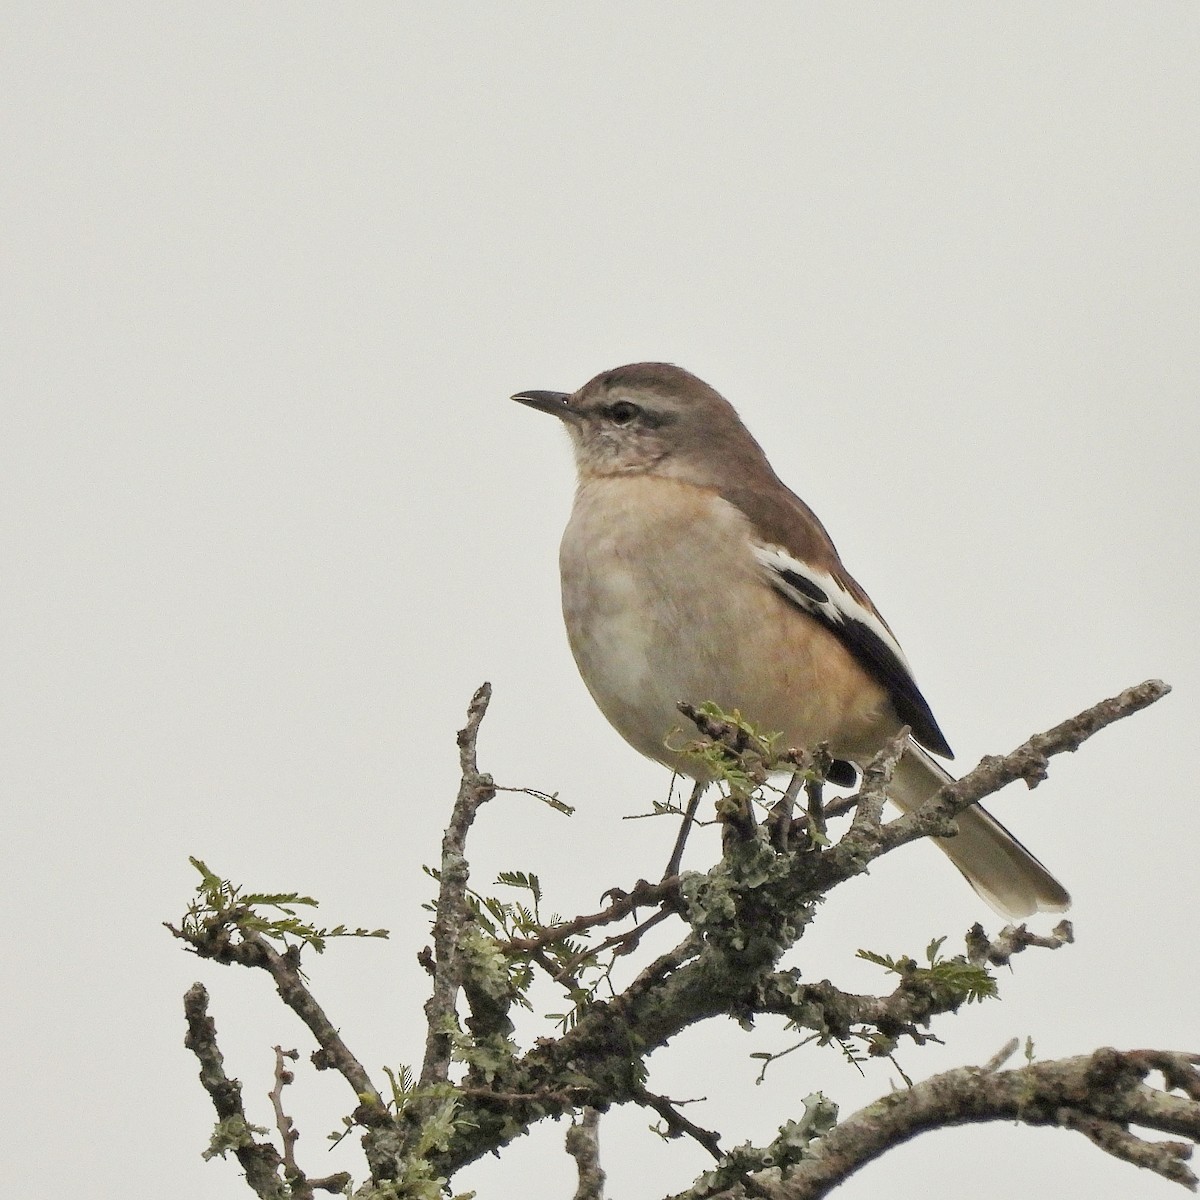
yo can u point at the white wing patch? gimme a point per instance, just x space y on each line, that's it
864 635
817 592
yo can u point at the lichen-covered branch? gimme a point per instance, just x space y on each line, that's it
743 915
924 992
453 913
871 838
1099 1095
229 928
583 1145
260 1160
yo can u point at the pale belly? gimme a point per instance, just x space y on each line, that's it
695 620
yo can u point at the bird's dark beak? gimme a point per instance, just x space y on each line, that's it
554 403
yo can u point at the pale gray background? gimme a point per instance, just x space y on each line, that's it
270 274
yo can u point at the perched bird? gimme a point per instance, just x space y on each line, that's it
691 572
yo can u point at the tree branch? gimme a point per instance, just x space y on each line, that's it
453 912
1030 762
583 1145
288 1133
677 1124
1012 939
301 1185
334 1053
1099 1094
260 1160
835 1014
743 914
643 896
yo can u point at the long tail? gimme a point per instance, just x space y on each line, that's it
995 864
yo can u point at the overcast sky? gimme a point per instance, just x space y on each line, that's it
269 276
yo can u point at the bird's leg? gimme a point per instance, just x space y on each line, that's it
779 819
793 789
689 818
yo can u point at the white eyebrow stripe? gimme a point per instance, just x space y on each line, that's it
838 605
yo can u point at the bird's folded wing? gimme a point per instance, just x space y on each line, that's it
801 563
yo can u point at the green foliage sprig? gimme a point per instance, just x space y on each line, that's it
221 903
948 979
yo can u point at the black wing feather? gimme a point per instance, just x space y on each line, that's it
873 653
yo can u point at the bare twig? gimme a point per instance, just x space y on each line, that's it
1001 1056
623 943
334 1053
685 828
677 1124
583 1145
840 805
628 941
302 1186
453 912
1012 939
288 1132
643 895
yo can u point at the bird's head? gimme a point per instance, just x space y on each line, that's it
650 418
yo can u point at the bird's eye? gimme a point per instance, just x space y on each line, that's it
623 412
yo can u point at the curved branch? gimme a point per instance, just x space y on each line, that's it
1099 1094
